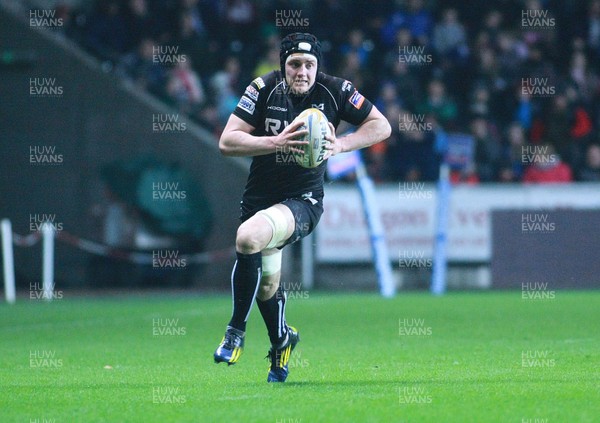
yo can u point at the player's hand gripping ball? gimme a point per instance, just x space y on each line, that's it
316 123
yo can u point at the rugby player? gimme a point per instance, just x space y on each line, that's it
282 201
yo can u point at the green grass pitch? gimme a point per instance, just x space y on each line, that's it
465 357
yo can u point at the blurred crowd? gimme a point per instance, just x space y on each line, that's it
520 76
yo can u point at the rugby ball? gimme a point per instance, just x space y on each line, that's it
317 125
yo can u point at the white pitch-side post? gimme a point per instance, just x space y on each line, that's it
308 262
48 260
383 267
8 261
440 259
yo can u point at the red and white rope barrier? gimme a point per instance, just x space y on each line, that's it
48 235
26 240
139 257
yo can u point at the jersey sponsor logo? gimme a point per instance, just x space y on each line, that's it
346 86
251 92
259 82
356 99
274 125
279 109
319 106
247 104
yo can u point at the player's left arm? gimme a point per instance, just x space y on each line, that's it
373 129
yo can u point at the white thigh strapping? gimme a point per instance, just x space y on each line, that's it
278 223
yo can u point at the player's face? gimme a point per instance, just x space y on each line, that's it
300 73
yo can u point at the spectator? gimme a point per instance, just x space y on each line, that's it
591 169
411 154
547 167
392 167
593 27
449 36
439 104
565 124
139 23
328 11
195 23
357 44
510 57
487 149
351 70
106 34
489 73
185 88
467 175
143 70
480 102
416 18
268 63
585 80
240 19
194 42
524 109
388 96
538 65
406 79
379 156
456 88
537 32
409 50
492 26
513 150
506 173
512 52
225 88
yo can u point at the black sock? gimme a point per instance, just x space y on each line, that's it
273 313
244 284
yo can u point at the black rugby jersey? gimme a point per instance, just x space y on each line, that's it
269 107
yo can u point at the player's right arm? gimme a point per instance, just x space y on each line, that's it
237 139
240 137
